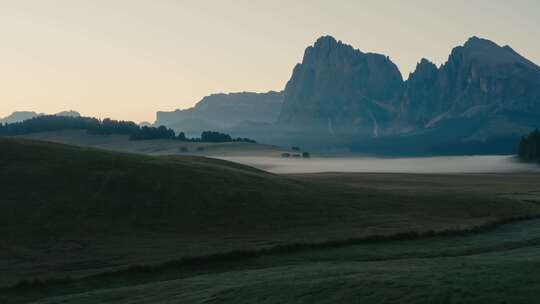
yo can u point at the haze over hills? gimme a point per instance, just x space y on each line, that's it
19 116
240 152
219 111
480 101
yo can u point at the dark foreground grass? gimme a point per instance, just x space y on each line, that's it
497 266
70 212
26 290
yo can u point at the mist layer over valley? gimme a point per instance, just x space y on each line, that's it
270 158
422 165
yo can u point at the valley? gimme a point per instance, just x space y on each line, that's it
121 143
101 226
352 171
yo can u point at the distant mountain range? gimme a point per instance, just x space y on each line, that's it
350 92
480 101
223 111
24 115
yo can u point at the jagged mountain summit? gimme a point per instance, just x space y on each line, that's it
341 88
480 101
483 91
480 80
220 111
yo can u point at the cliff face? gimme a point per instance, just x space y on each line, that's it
351 92
417 104
342 89
219 111
341 96
482 83
483 74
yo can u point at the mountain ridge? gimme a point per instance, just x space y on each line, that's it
220 111
19 116
334 80
491 89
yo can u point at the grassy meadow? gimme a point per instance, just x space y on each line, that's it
184 229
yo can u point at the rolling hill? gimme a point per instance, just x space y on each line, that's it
77 211
121 143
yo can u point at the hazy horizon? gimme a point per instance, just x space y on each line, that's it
129 59
470 164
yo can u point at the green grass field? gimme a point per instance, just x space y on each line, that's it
102 218
121 143
500 266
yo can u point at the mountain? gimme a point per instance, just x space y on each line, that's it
416 104
342 89
481 81
18 116
24 115
339 98
70 113
484 93
219 111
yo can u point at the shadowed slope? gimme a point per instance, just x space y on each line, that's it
68 210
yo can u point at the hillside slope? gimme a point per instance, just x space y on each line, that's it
121 143
75 211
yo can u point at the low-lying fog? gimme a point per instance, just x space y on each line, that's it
453 164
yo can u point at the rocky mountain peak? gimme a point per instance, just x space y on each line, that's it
349 91
336 83
325 41
484 53
328 51
424 69
476 42
480 79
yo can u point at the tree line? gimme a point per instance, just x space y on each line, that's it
107 126
529 147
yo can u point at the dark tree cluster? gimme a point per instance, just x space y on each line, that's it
217 137
49 123
107 127
160 132
243 139
91 125
211 136
529 147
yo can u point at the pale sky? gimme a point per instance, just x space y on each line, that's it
127 59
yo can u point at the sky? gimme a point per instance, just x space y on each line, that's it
127 59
